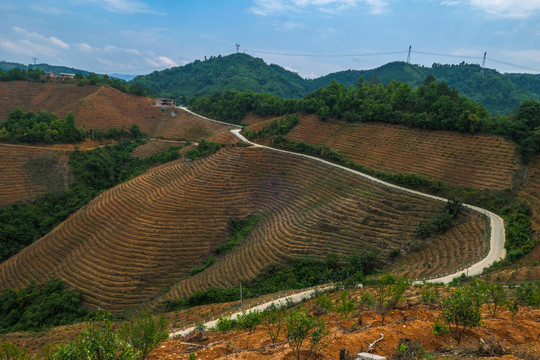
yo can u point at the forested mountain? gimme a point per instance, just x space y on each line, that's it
499 93
239 72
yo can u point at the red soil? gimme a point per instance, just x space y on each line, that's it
412 320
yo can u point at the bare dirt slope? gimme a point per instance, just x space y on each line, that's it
93 106
131 242
480 162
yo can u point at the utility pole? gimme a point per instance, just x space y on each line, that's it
241 300
237 48
483 64
35 60
409 56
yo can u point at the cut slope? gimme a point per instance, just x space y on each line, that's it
29 172
480 162
131 242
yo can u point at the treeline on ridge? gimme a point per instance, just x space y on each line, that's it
431 106
38 75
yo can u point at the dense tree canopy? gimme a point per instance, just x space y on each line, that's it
433 105
40 127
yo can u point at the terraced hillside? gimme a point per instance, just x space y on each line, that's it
181 125
481 162
428 262
531 194
140 237
93 106
27 172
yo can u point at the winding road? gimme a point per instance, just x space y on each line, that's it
496 243
497 238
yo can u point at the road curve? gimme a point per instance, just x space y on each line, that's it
496 243
497 238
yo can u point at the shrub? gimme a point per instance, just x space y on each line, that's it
249 321
429 295
528 293
97 341
346 304
273 321
462 309
389 291
439 329
497 298
323 304
225 324
143 332
300 327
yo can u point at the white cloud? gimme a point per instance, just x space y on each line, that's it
270 7
507 8
59 43
43 40
451 2
33 44
287 25
84 47
161 61
126 6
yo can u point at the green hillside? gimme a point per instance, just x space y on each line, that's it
239 72
500 93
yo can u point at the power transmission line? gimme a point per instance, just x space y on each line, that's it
324 55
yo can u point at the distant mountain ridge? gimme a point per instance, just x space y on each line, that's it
4 65
57 70
499 93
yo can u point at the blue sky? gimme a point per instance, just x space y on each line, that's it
311 37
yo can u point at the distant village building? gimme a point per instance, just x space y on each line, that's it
66 76
50 75
164 102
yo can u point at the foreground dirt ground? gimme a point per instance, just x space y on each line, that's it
501 337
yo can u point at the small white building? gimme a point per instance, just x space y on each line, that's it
66 76
164 102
